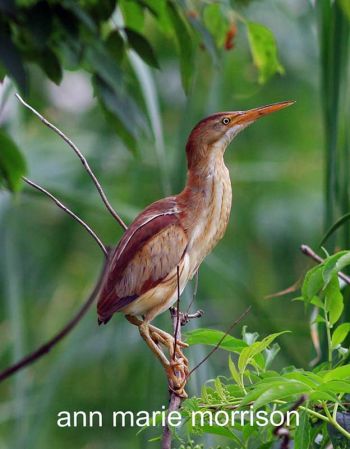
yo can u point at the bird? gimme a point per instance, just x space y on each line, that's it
167 242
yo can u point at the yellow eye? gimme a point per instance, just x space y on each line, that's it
225 120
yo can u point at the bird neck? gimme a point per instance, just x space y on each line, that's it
205 204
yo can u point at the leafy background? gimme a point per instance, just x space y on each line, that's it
131 119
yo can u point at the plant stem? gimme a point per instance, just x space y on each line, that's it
329 340
335 423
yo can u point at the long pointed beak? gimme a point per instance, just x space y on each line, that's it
253 114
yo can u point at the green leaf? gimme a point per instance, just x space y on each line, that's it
234 372
264 51
216 22
184 40
248 354
313 283
126 112
307 377
334 303
335 386
102 63
12 163
10 58
340 333
142 47
342 372
115 45
133 14
212 337
334 264
282 391
222 431
275 386
51 65
302 436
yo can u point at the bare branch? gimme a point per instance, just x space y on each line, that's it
69 212
238 320
195 290
310 253
45 348
177 323
80 156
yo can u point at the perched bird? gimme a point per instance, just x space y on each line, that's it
165 245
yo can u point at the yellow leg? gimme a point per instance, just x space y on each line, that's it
177 368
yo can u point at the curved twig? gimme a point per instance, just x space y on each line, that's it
217 346
80 156
69 212
45 348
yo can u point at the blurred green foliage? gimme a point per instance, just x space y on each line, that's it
48 265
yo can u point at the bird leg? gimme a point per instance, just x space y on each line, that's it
177 368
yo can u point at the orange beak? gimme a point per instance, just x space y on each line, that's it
253 114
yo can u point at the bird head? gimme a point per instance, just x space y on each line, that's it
212 135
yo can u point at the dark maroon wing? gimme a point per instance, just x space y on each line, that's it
149 250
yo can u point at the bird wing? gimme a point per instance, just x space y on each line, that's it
149 250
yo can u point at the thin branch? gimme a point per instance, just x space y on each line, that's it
195 290
310 253
238 320
69 212
80 156
45 348
177 323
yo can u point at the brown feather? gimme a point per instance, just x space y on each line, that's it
149 250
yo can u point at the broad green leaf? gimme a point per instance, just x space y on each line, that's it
115 45
313 283
342 372
133 14
184 40
274 388
315 301
302 436
335 386
222 431
334 264
256 348
322 396
340 333
264 51
142 47
12 163
212 337
334 303
283 391
307 377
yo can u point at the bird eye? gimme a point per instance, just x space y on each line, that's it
225 121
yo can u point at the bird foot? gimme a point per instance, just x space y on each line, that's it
177 370
177 373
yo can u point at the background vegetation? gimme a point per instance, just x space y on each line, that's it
133 131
